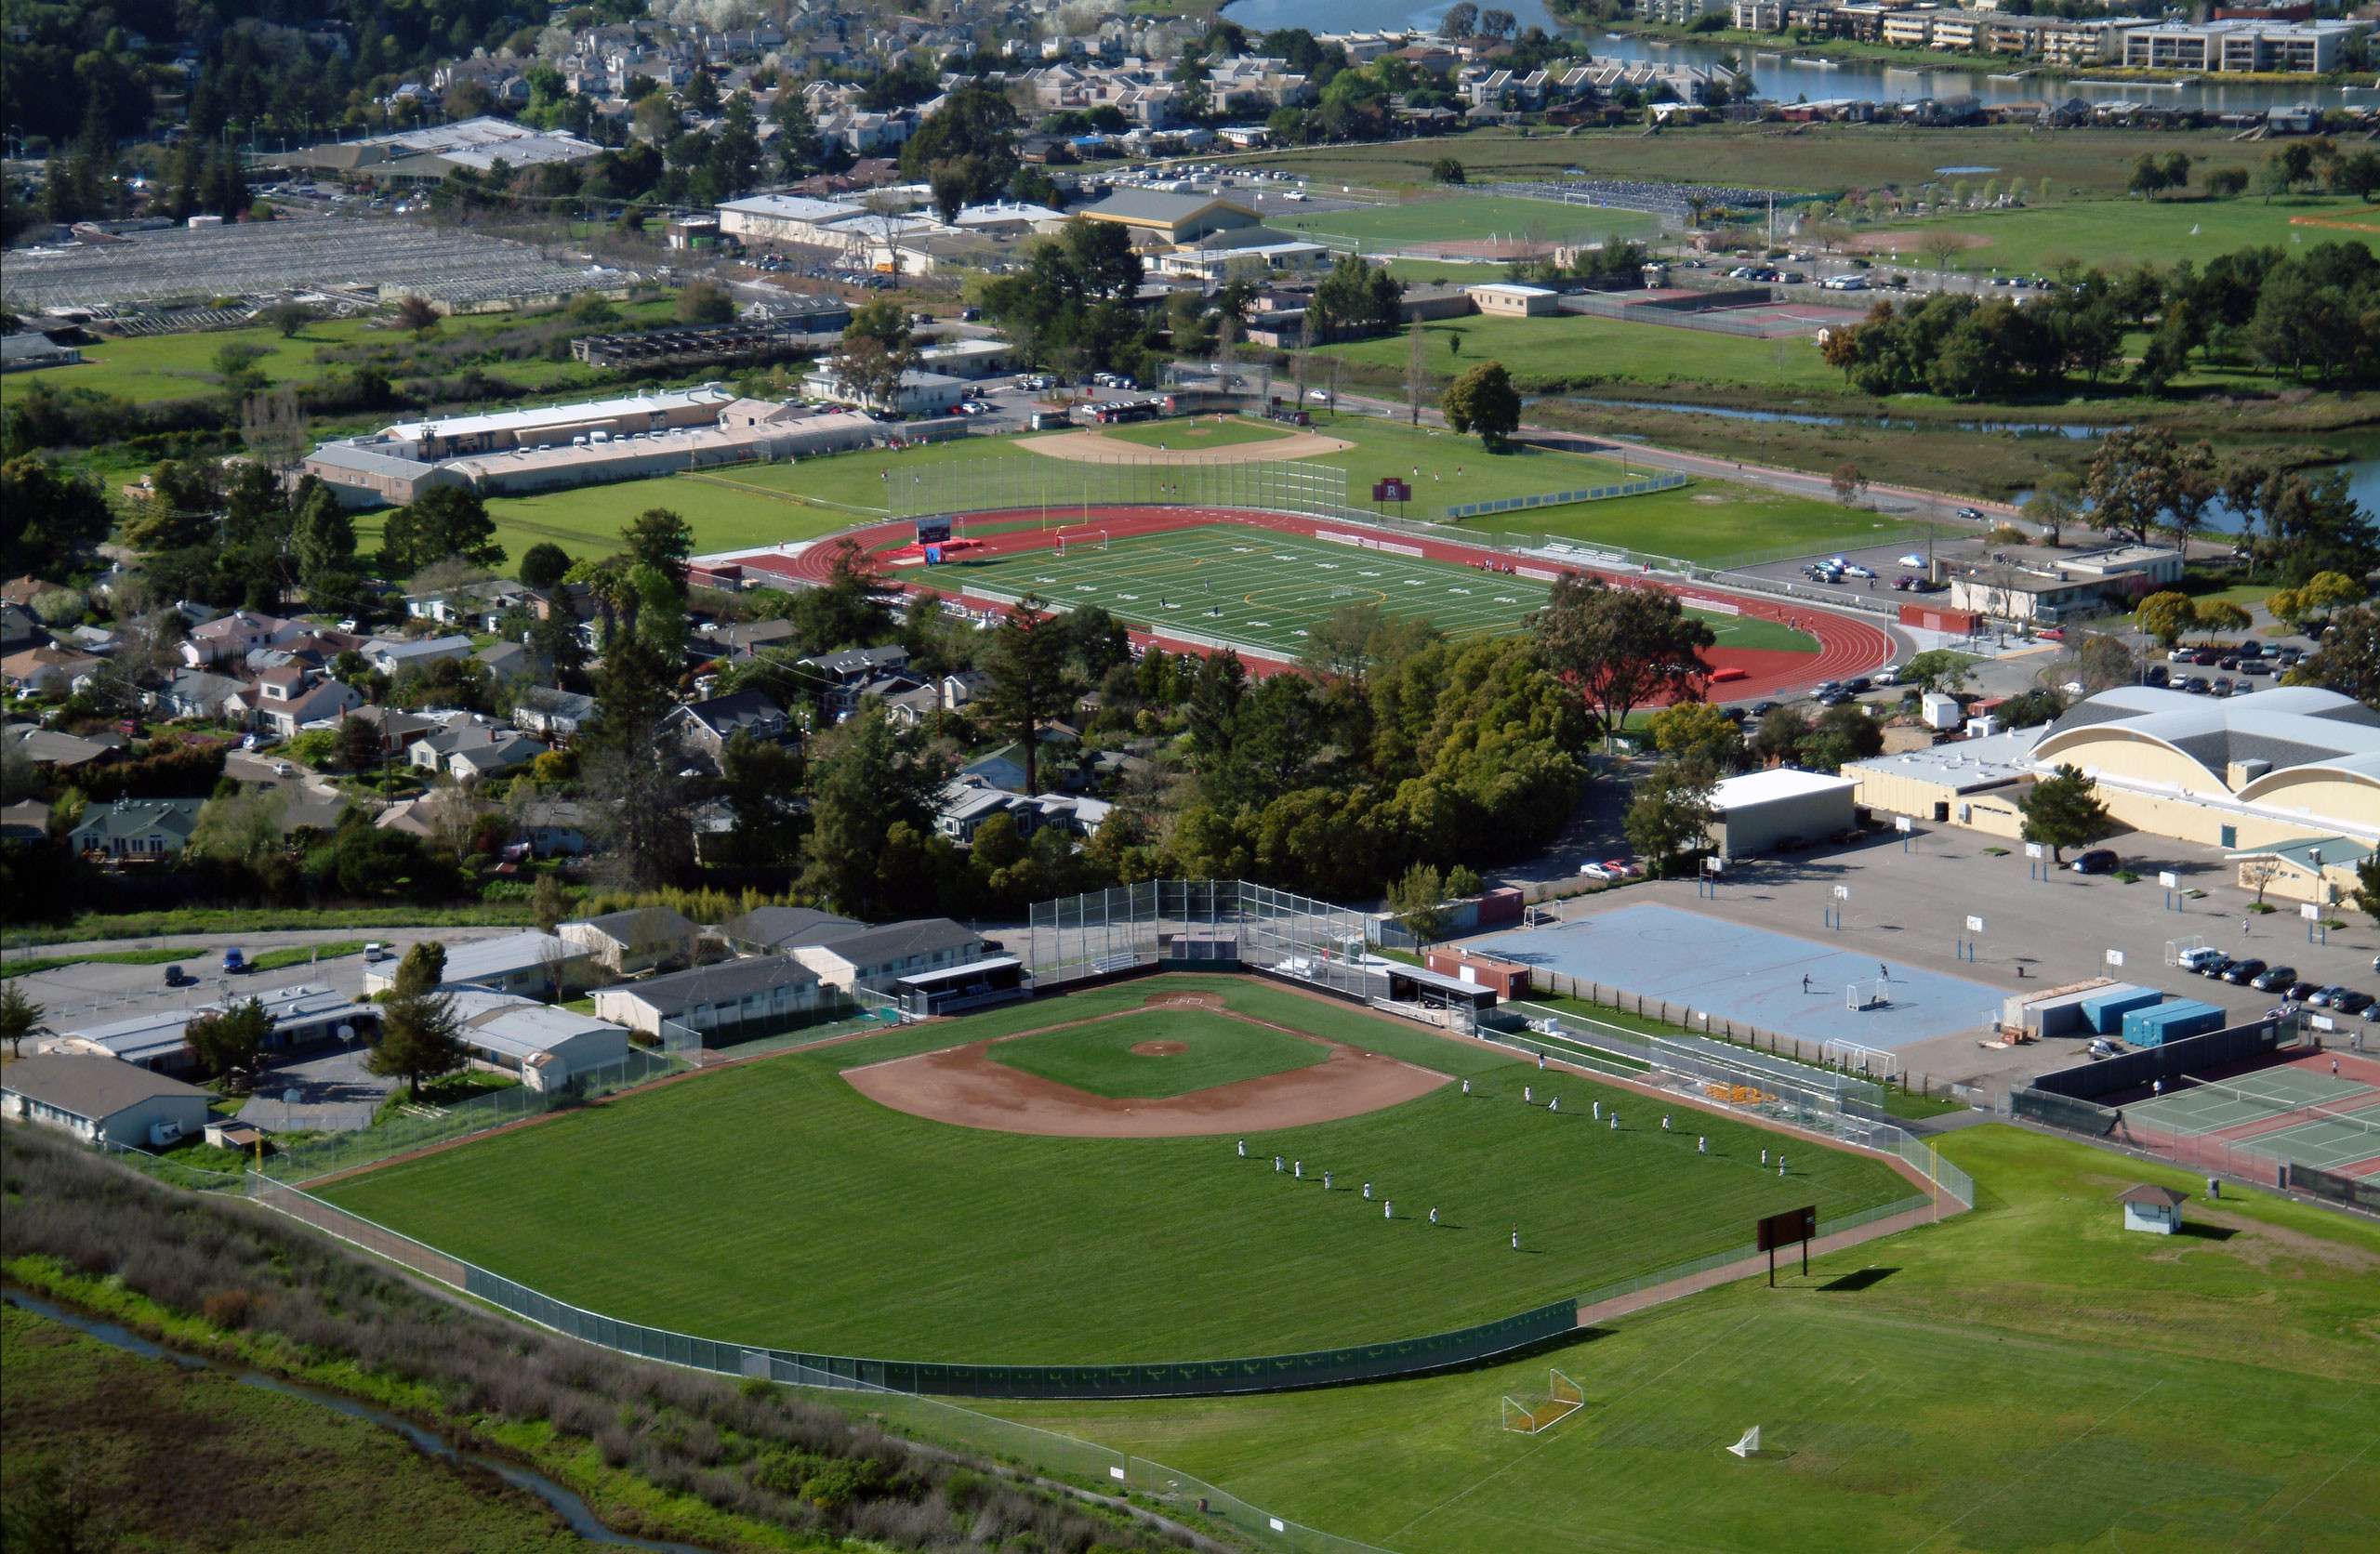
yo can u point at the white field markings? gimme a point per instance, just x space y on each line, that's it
1243 582
2079 1436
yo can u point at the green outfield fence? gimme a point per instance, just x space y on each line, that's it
1563 499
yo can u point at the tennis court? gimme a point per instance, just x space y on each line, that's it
1267 590
2290 1112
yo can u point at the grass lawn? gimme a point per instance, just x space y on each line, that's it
1205 433
1990 1383
1103 1059
2119 234
1573 349
26 965
1824 158
1447 217
787 1196
305 955
289 1474
1709 524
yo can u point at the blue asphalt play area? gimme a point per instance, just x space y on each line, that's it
1750 975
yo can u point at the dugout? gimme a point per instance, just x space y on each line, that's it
954 989
1411 984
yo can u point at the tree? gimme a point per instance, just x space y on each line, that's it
415 315
866 777
633 759
2228 183
1357 298
2347 660
1848 483
2219 616
1698 732
1937 669
761 781
877 351
419 1028
242 827
1446 169
1416 898
1030 678
2064 810
2367 887
705 302
1941 246
48 520
2167 616
1483 400
443 523
2258 873
2144 478
1842 735
287 319
543 564
229 1042
321 544
2052 508
1622 647
19 1017
661 540
970 137
1670 812
1460 22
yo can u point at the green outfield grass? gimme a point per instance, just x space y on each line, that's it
1709 524
1099 1057
772 1204
1203 433
2119 234
1573 349
1458 218
1446 470
2001 1382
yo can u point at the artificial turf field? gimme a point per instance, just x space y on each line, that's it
2026 1378
1266 590
771 1204
1099 1057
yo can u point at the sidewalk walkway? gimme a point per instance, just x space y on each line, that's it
1753 1267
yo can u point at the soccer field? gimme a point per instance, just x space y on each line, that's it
1992 1383
1265 591
774 1204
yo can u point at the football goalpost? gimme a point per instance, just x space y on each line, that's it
1562 1398
1081 539
1874 994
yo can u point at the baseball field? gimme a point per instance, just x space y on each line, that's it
907 1195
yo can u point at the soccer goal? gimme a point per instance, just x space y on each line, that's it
1541 918
1080 539
1854 1058
1562 1398
1861 996
1750 1445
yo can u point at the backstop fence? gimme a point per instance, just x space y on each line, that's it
1201 924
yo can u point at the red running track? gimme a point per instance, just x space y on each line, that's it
1847 646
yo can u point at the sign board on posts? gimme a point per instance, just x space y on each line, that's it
1901 825
1842 892
2115 957
2171 880
1974 925
2309 910
1391 489
2032 849
1784 1230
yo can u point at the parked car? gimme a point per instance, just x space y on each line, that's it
2098 861
1761 709
2191 959
376 951
2350 1000
176 977
1597 871
2239 973
2321 997
2298 992
2277 980
2214 971
234 962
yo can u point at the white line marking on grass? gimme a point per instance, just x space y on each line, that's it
1607 1407
2004 1489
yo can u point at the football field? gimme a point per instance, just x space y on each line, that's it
1266 591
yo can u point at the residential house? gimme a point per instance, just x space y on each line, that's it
472 607
20 629
762 992
772 929
46 671
389 657
554 828
469 752
557 714
229 638
877 956
290 697
196 693
741 642
22 590
636 940
137 827
708 726
25 821
56 752
915 708
855 673
397 729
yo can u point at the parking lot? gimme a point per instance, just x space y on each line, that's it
1908 906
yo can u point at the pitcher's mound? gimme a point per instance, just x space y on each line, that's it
1159 1048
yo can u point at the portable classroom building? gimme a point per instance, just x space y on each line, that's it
2105 1012
2060 1014
2171 1021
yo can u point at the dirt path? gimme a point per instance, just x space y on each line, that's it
1090 447
963 1086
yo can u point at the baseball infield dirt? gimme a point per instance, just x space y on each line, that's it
1089 447
963 1086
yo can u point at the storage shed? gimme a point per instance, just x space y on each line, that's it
2156 1210
1761 809
2104 1013
2171 1021
1509 980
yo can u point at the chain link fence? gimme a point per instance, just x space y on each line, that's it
302 1159
1202 924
